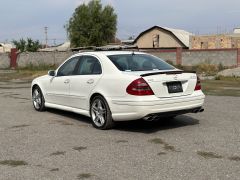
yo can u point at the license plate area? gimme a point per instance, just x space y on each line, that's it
174 87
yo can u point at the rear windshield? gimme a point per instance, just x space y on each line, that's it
139 62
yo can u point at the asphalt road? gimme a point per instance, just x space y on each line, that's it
60 145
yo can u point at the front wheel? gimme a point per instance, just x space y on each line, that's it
101 114
38 99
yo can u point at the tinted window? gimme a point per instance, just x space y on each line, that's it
68 67
89 65
139 62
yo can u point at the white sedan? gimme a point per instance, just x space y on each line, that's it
111 86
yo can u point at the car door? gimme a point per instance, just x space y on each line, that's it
58 89
88 73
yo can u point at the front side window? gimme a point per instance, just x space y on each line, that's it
89 65
139 62
67 69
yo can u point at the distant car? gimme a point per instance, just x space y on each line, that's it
111 86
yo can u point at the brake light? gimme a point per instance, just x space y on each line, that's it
139 87
198 85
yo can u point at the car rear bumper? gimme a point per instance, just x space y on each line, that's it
123 110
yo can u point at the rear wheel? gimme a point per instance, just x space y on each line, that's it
38 99
100 113
171 116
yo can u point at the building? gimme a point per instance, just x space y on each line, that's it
218 41
5 47
162 37
63 47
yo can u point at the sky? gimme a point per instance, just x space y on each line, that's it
27 18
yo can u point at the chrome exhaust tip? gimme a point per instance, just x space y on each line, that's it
198 110
195 111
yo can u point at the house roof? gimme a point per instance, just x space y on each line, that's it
181 35
63 47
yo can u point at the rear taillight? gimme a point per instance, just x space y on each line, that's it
139 87
198 84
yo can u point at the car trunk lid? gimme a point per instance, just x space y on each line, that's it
171 83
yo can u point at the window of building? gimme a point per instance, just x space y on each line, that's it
156 38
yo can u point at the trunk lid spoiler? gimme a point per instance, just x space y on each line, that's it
166 72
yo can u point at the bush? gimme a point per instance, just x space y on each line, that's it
37 67
27 45
207 69
221 67
169 62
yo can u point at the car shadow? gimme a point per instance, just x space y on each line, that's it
71 115
157 125
140 126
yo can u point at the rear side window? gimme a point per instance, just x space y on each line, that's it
139 62
89 65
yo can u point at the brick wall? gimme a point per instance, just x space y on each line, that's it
227 57
36 58
215 41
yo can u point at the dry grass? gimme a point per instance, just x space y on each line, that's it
27 75
222 87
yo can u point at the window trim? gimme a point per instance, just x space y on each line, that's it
71 58
171 67
78 66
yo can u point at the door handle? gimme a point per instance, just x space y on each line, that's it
90 81
67 81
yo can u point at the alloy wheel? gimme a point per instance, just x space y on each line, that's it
98 112
37 99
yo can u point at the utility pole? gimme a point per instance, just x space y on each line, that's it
54 41
46 36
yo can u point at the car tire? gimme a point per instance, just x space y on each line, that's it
100 113
38 99
171 117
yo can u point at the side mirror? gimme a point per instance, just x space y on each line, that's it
51 73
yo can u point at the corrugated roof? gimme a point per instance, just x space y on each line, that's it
63 47
182 35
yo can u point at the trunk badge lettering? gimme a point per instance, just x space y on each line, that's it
150 80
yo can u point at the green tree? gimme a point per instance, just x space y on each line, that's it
92 25
20 45
27 45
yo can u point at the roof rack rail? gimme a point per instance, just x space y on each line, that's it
106 48
116 47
